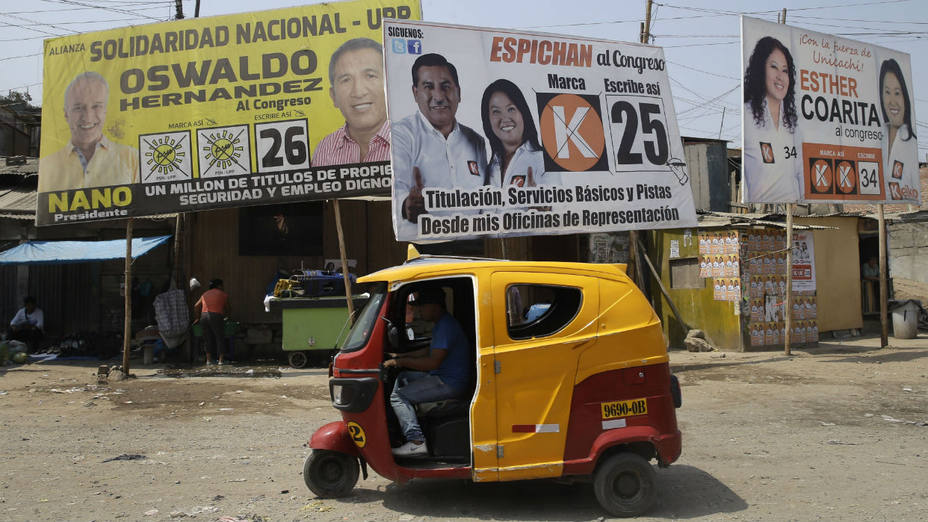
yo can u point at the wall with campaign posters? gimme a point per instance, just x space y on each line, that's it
538 134
825 118
215 112
749 266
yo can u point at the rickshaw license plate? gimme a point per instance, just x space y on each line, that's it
618 409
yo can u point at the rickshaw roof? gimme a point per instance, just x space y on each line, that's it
426 266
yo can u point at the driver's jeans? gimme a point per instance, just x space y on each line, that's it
411 388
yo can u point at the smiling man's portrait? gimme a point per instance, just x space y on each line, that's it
357 90
90 159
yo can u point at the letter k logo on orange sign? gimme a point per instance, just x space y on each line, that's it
571 132
767 152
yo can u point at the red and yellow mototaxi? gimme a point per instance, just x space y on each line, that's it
571 378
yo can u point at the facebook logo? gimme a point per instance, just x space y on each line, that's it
414 46
399 46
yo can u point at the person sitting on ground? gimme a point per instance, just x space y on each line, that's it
28 325
441 371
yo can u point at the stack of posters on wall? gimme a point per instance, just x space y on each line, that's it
719 259
751 265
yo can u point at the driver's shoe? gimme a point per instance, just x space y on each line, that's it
411 449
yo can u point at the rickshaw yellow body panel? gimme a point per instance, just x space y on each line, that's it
523 406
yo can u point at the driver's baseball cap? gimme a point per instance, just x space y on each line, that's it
430 295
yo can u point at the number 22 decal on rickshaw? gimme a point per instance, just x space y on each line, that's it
357 434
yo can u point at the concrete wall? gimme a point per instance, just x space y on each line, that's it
837 273
908 251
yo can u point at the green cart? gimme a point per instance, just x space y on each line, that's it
313 326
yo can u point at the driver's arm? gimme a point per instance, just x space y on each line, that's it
429 360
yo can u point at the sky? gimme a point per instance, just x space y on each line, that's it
701 38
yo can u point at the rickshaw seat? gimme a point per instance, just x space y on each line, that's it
442 408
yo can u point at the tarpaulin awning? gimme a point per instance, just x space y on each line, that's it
35 252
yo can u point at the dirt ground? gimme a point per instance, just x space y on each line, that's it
836 432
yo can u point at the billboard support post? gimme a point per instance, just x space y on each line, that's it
127 324
344 257
884 326
633 241
788 305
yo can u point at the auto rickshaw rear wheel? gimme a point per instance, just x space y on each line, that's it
330 474
624 484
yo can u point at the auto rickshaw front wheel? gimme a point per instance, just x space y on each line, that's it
330 474
624 484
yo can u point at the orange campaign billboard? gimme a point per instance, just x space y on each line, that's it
826 119
501 133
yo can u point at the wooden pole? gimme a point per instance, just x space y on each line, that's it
646 33
127 327
178 266
722 123
788 305
884 325
345 271
633 242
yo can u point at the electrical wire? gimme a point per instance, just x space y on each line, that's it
72 22
717 75
22 56
123 11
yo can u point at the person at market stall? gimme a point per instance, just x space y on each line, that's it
356 78
28 325
90 159
899 146
438 372
431 149
516 155
210 311
772 146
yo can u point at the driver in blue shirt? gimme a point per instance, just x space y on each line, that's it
441 371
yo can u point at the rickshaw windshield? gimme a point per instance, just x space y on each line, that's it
361 331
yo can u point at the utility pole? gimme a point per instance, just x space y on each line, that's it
722 124
646 26
180 9
196 10
633 241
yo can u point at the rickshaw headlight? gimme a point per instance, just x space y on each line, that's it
337 391
353 395
342 395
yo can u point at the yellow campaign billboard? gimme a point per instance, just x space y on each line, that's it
274 106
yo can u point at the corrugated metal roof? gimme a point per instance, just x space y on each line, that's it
727 219
18 202
31 167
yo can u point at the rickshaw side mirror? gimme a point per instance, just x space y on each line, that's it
393 333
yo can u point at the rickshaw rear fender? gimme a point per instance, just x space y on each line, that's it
334 436
644 440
